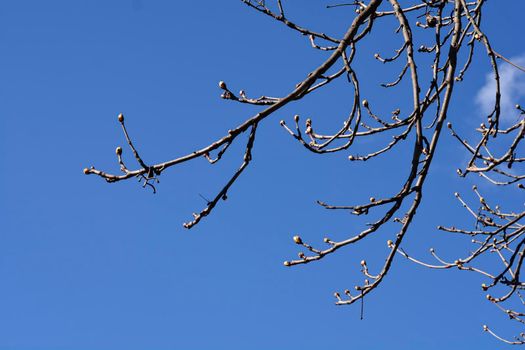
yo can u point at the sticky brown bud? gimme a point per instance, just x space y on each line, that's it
286 263
365 103
297 240
363 262
372 199
222 85
389 243
86 171
431 21
118 151
121 117
484 286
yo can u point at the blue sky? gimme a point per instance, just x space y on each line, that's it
90 265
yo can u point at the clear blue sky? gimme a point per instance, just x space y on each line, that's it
90 265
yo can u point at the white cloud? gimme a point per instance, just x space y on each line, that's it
512 82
